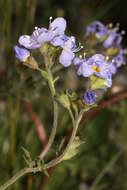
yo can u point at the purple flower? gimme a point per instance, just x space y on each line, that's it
41 35
89 97
77 62
97 65
68 51
58 26
119 59
113 38
21 53
59 40
96 28
68 44
106 69
85 69
91 66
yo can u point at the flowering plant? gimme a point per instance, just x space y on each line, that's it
97 62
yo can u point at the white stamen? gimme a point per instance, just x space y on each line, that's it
123 32
110 25
107 58
36 28
73 38
78 49
50 20
84 55
80 56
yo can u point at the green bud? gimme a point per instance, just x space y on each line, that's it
44 74
64 100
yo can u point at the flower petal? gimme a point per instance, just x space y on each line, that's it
58 26
59 40
21 53
110 40
98 28
66 58
45 35
85 70
89 97
28 42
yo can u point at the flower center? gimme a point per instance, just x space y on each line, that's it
95 68
26 60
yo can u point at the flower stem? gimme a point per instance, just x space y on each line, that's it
59 159
48 165
72 117
55 108
15 178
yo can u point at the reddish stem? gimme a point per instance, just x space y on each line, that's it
104 104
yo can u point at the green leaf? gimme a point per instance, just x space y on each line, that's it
73 149
26 155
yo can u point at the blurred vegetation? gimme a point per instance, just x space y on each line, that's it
102 161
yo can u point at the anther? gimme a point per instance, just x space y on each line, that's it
107 58
35 27
123 32
50 20
84 55
110 25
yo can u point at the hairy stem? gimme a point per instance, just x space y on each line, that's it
72 117
48 165
15 178
59 159
55 108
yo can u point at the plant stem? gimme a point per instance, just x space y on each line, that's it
15 178
72 117
59 159
48 165
55 108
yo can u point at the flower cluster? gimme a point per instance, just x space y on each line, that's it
111 38
55 35
98 65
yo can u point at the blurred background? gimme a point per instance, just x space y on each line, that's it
25 107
